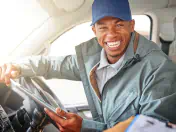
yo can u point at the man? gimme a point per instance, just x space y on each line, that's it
123 73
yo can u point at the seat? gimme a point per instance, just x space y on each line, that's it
172 49
166 36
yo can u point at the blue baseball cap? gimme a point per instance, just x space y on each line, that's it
114 8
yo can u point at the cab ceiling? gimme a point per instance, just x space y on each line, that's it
59 7
142 6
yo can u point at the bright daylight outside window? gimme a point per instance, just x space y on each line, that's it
72 92
19 18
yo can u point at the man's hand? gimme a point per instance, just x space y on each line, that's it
72 123
8 71
122 126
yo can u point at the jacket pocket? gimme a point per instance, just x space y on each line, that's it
124 110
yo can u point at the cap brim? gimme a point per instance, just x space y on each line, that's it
109 15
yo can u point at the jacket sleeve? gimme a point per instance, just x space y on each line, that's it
158 98
92 126
50 67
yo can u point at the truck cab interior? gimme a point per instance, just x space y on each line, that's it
54 28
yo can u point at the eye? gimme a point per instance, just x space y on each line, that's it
119 25
102 28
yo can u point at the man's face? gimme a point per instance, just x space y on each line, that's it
113 35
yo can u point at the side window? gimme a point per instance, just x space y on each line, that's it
72 92
65 44
143 25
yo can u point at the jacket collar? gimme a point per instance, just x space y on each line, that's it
144 47
130 50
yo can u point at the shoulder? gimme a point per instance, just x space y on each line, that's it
151 53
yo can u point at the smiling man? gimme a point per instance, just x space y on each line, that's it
113 35
123 73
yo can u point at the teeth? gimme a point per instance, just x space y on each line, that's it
113 44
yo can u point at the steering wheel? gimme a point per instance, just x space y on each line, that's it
31 111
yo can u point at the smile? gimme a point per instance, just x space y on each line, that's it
113 44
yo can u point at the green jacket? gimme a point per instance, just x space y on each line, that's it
145 83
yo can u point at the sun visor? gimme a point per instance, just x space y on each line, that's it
167 32
60 7
142 6
172 3
68 5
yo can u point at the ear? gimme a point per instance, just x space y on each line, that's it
94 29
132 24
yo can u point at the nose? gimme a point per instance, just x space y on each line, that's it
111 32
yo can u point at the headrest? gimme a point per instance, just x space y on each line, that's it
167 32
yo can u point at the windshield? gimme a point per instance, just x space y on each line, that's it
19 19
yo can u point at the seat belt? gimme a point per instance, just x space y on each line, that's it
136 40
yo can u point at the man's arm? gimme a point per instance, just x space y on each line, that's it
74 123
158 98
49 67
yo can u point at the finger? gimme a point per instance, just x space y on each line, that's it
0 74
14 74
62 113
8 74
7 80
12 71
3 68
8 70
60 127
54 117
